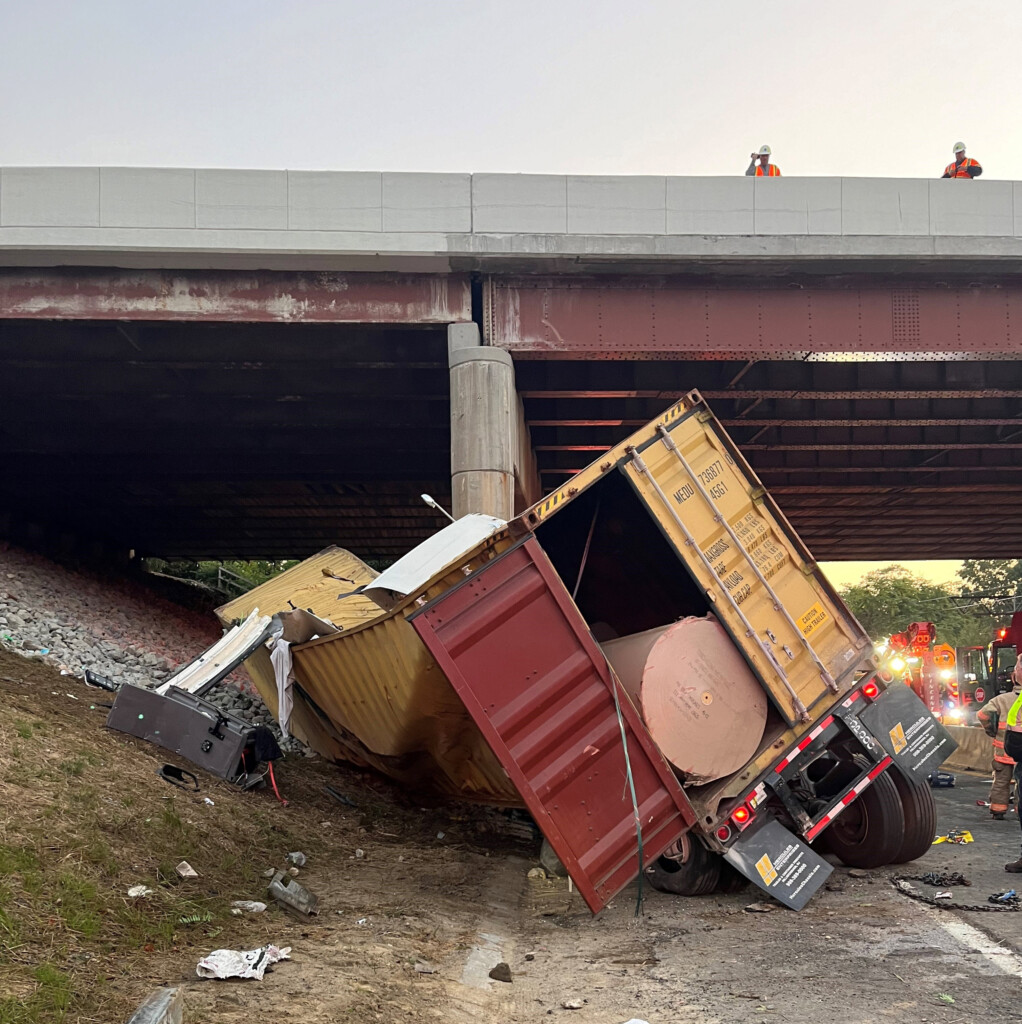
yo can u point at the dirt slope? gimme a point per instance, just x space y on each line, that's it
83 817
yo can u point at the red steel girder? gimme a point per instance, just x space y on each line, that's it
807 394
258 296
589 318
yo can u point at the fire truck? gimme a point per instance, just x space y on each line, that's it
1002 654
971 688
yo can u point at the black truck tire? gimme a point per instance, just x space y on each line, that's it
871 830
731 879
697 876
919 812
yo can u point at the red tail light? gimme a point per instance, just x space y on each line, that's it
871 691
741 817
724 833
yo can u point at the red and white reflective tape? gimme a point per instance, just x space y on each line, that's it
846 800
854 697
803 743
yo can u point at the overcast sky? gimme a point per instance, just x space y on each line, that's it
877 87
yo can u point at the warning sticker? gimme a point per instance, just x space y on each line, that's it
766 869
897 735
811 620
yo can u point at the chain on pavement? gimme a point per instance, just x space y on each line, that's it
903 883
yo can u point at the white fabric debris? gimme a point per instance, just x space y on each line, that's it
237 963
283 671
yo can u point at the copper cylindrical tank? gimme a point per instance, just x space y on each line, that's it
697 695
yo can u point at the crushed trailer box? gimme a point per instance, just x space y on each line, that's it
510 696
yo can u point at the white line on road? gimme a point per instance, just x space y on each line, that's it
1004 959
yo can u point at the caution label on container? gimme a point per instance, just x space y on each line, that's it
811 620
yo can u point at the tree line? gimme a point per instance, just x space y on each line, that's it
966 611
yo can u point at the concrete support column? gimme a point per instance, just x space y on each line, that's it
484 411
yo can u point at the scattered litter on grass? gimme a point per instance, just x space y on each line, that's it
185 870
573 1004
537 873
236 963
140 892
249 906
421 967
946 895
297 858
206 800
285 890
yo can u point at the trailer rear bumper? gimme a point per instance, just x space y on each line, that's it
889 727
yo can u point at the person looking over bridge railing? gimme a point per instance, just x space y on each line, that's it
761 167
963 167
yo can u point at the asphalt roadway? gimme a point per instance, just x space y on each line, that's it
982 861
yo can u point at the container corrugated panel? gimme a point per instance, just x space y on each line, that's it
379 690
306 586
522 659
383 687
305 723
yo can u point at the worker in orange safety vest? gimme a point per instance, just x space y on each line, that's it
993 717
761 167
963 167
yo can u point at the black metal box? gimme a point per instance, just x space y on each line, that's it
184 723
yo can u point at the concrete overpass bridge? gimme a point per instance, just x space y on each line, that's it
259 363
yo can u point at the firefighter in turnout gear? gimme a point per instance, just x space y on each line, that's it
993 716
1013 746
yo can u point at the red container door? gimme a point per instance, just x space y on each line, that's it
521 657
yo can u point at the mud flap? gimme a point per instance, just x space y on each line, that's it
907 730
779 863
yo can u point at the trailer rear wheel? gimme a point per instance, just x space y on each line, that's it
920 813
870 831
696 874
731 880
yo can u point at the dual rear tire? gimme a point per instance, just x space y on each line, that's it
893 822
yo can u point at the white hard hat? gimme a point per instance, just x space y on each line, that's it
765 150
959 147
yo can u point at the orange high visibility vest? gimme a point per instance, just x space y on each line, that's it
959 170
772 171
